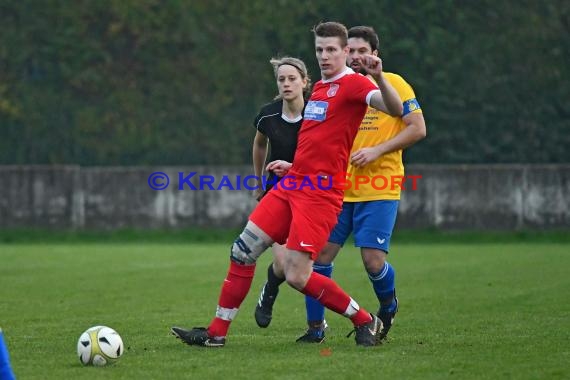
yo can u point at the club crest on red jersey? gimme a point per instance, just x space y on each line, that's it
332 90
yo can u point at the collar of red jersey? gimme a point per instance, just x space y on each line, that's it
347 70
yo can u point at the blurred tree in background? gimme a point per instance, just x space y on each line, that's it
129 82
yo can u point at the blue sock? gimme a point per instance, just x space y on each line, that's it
316 311
384 285
5 370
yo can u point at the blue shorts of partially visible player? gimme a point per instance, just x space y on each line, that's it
372 223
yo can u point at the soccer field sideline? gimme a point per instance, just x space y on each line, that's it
467 311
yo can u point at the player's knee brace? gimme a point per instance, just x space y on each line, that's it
247 248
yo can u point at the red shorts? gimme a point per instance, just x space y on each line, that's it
303 219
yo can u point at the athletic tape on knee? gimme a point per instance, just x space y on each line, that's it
247 248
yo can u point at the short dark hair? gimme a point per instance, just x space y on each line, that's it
332 29
367 33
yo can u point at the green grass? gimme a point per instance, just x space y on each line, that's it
493 311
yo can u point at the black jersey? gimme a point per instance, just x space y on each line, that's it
281 132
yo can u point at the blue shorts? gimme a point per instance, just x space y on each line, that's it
372 223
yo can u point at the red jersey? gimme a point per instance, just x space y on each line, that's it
330 123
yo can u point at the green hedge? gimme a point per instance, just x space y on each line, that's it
123 82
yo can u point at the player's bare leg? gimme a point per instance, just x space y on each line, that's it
316 323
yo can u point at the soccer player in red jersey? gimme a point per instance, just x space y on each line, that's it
369 209
304 216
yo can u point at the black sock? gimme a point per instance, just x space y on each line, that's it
273 282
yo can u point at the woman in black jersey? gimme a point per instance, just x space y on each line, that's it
277 126
279 122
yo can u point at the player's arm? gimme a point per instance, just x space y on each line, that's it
414 131
387 100
260 142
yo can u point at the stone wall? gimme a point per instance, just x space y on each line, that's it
495 197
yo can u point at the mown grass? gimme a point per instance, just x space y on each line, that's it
468 311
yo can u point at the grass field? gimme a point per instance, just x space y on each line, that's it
467 311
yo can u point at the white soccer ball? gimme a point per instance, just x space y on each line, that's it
99 346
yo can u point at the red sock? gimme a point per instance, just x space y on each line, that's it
234 289
327 292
